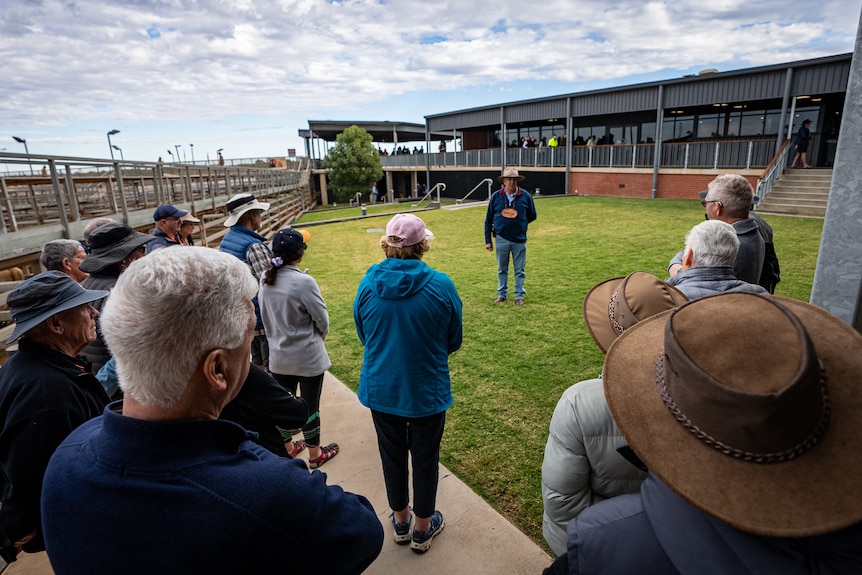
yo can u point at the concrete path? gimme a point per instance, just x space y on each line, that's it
476 540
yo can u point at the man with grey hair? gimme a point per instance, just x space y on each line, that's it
707 262
728 199
191 493
65 256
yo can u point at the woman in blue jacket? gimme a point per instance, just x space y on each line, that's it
408 317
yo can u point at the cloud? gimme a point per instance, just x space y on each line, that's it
206 60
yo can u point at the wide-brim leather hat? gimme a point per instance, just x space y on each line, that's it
618 303
747 406
110 244
239 205
510 173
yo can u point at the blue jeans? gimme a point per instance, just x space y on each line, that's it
420 438
519 260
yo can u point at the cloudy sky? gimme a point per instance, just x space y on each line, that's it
246 75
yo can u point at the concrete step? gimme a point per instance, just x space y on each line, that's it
801 194
792 209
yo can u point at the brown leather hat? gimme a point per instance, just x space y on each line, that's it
617 304
747 406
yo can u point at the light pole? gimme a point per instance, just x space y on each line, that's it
192 146
177 148
119 149
171 154
220 158
26 149
111 146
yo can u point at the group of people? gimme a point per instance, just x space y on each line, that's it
156 423
702 447
400 150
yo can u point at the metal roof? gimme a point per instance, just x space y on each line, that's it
380 131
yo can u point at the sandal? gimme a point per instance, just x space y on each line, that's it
326 453
296 447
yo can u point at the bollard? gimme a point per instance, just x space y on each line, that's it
364 211
538 191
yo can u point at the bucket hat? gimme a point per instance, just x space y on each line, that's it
240 204
110 244
510 173
43 295
618 303
408 228
746 406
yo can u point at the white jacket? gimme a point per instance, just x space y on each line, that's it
582 465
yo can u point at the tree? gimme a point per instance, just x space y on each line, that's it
354 164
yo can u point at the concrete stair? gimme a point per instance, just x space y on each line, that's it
799 192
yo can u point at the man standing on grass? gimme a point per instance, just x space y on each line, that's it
510 210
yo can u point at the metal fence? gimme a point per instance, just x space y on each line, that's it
723 154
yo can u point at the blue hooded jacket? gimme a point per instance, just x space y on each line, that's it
408 317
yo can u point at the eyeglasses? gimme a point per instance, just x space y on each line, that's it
704 202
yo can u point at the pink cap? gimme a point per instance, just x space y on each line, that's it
408 228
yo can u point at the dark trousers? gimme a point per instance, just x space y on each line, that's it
310 390
420 438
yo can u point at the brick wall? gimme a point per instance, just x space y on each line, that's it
639 185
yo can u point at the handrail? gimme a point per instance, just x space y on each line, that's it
771 173
439 186
488 181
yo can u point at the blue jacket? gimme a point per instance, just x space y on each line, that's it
236 242
512 229
160 240
656 532
408 317
195 497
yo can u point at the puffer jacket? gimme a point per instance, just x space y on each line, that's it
582 465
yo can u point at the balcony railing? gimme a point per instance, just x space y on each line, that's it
719 154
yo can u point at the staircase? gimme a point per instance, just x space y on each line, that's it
799 192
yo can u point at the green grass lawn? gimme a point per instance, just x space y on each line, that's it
516 361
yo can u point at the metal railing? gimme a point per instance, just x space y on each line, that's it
713 154
772 173
488 181
438 187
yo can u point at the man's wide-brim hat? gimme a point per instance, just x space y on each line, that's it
239 205
747 406
510 173
44 295
110 244
618 303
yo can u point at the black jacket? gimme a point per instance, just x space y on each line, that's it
44 395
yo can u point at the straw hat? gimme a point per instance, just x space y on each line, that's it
510 173
618 303
747 407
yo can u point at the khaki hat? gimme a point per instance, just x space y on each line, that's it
189 218
510 173
746 406
617 304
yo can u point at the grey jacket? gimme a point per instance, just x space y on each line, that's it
656 532
704 281
296 322
582 465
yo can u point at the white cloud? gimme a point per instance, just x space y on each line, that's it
207 60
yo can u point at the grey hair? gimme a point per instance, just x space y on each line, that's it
712 243
206 291
54 252
734 192
93 224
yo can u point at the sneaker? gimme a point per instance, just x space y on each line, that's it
402 530
422 539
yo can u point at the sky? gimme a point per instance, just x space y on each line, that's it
194 76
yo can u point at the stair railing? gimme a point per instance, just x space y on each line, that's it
437 187
488 181
771 174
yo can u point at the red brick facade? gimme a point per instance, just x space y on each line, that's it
639 184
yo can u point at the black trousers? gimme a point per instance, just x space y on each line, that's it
310 390
420 438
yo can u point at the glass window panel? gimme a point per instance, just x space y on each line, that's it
708 126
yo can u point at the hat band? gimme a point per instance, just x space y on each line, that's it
231 206
754 457
618 310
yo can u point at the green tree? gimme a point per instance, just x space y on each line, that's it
354 164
